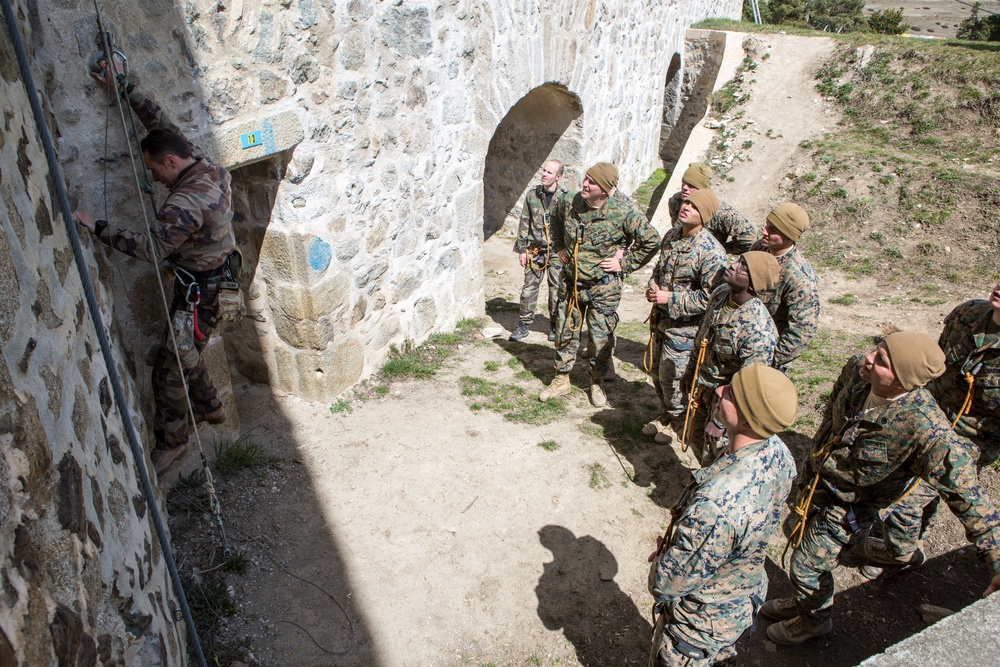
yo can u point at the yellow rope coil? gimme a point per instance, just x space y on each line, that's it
693 397
647 356
970 380
574 296
805 498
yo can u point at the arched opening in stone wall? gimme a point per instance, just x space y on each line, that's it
544 124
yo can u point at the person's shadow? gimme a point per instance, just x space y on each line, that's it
577 594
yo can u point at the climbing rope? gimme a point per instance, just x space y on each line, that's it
574 295
144 186
970 380
804 503
132 435
693 397
647 355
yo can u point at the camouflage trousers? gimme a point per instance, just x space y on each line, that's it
171 422
669 364
599 311
813 563
699 635
543 265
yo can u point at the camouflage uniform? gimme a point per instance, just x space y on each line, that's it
969 346
193 230
687 268
533 238
590 236
709 581
794 306
880 452
729 227
736 338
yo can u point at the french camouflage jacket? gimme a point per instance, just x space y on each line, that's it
737 338
881 451
729 227
970 348
687 268
592 235
713 561
193 227
533 229
794 305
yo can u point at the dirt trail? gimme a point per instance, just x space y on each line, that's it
450 537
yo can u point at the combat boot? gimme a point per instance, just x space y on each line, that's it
667 435
165 459
217 416
881 563
795 631
520 333
781 609
655 426
559 386
597 396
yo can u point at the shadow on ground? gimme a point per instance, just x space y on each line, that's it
578 595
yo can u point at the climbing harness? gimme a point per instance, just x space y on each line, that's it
693 397
58 184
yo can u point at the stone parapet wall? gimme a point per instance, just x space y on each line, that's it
83 575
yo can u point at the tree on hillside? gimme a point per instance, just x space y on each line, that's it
887 22
979 29
783 11
836 15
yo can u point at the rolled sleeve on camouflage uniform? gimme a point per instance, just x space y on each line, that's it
710 576
794 306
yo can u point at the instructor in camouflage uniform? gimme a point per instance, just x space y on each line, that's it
880 429
708 577
969 394
729 227
534 251
736 332
193 231
794 304
690 259
586 234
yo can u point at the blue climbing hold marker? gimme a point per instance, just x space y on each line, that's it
320 254
251 139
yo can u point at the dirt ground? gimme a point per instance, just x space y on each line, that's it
413 530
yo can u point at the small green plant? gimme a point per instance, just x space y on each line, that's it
839 193
243 453
747 144
598 476
892 252
876 236
809 177
886 179
549 445
845 300
928 248
382 389
238 563
341 407
491 366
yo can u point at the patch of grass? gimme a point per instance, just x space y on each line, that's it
839 193
238 563
648 195
513 402
515 364
549 445
418 362
892 253
342 406
809 177
598 477
876 236
491 366
845 300
243 453
209 601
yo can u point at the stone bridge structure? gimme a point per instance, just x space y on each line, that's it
391 138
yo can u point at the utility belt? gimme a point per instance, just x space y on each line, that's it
228 304
587 284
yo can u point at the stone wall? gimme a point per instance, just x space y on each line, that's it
83 576
373 222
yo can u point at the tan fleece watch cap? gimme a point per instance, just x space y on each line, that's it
915 358
764 270
698 175
766 398
790 219
707 204
605 175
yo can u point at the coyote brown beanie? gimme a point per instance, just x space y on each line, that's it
605 175
916 358
698 175
763 269
766 399
790 219
707 204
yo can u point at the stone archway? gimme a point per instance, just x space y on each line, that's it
544 124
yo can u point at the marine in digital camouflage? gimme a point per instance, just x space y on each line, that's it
736 338
193 230
687 268
710 577
590 236
734 232
794 306
880 452
533 239
193 227
971 344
